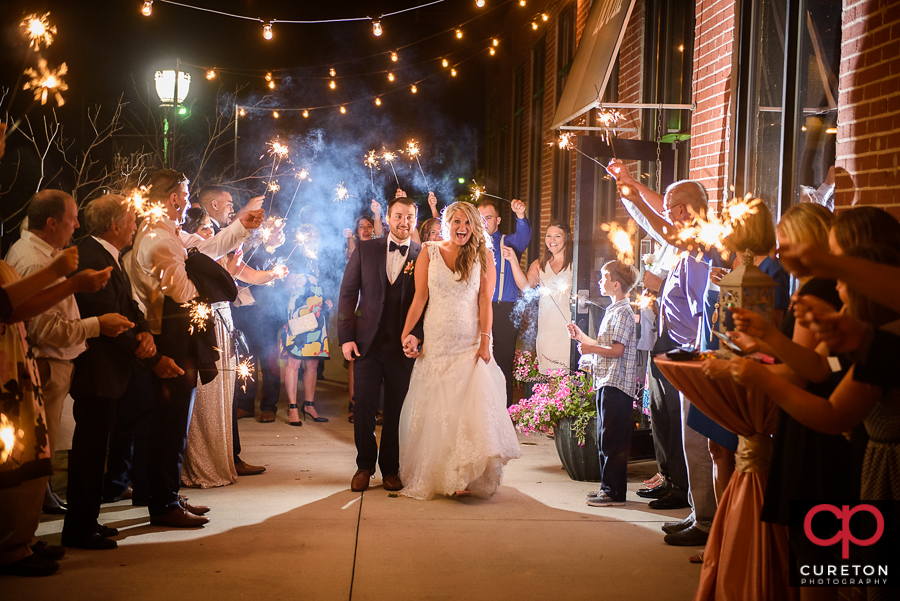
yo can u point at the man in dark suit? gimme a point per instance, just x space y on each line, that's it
109 375
376 292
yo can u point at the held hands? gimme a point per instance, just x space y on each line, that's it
146 347
518 207
745 371
349 349
432 200
376 206
166 368
113 324
252 219
619 170
575 332
411 346
91 280
752 324
65 262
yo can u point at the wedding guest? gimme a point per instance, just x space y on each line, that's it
306 338
60 334
506 293
367 228
28 467
552 275
614 380
430 231
197 221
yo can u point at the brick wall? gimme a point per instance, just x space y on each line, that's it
868 138
714 35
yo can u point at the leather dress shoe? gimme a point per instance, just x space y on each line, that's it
669 501
126 494
267 417
689 537
48 552
195 509
91 542
392 483
33 565
179 518
672 527
242 413
245 469
360 481
106 531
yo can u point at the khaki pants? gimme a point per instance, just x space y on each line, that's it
56 377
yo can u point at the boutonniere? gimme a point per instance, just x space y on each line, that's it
410 267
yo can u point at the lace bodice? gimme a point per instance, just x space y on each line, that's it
451 318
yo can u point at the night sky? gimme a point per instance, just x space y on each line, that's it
108 43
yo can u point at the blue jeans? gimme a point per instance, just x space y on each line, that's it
614 425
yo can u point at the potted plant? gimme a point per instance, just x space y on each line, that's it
562 402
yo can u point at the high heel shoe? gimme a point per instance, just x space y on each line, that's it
294 406
315 419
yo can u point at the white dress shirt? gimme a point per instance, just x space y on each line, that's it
156 264
59 332
110 248
395 260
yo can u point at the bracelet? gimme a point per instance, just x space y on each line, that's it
486 334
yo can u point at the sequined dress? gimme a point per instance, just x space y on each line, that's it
209 456
455 433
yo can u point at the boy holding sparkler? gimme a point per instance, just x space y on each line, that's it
615 374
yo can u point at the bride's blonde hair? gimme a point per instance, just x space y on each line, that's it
478 243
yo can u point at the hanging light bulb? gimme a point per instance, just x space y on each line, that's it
390 77
459 34
332 72
271 85
269 76
413 89
211 74
267 31
394 56
147 8
343 110
444 62
332 84
479 3
376 27
275 114
453 72
377 101
492 51
534 25
495 42
305 113
544 16
522 2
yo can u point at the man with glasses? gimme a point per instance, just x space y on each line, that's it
156 265
681 309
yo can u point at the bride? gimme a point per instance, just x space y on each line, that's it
455 433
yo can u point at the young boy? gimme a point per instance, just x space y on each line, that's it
614 381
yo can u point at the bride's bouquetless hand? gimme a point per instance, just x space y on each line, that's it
484 352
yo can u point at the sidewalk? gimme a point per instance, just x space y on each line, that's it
298 532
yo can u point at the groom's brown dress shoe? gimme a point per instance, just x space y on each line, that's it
360 481
392 483
179 518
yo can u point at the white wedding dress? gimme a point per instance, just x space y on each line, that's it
455 433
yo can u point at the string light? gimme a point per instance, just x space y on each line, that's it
544 16
394 56
479 3
495 42
332 84
147 8
332 72
377 101
522 2
275 114
534 25
376 27
269 76
271 85
453 72
414 89
305 113
242 112
390 77
211 74
444 62
267 31
492 51
459 34
343 110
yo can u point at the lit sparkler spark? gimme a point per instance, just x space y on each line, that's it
137 200
244 372
412 148
389 156
7 438
39 31
737 210
621 238
303 174
279 149
301 237
280 271
274 187
264 233
476 191
371 160
45 82
565 141
200 313
608 117
644 300
341 193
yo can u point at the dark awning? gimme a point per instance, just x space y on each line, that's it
594 58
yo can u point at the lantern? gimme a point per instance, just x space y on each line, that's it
747 287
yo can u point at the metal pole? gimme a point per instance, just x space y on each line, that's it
175 112
787 179
643 105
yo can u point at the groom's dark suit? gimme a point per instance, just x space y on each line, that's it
371 313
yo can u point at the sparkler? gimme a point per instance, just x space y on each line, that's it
412 149
711 232
244 372
200 313
621 239
389 158
341 193
608 118
478 191
371 161
45 82
38 30
8 443
278 151
644 300
550 292
565 142
273 187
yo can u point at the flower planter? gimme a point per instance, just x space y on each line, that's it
583 463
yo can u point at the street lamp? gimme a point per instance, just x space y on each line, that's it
172 88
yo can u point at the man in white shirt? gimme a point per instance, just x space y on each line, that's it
156 265
59 335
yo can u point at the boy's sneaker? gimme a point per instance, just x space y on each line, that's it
603 500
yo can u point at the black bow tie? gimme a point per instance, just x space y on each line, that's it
394 246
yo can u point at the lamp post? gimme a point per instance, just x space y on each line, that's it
172 88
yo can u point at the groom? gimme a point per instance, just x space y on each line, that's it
376 293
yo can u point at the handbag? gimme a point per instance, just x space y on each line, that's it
302 324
